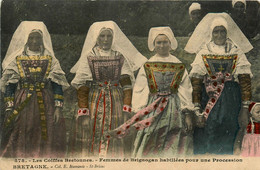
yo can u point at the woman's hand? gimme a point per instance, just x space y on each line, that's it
200 121
237 151
188 122
83 116
243 117
127 112
57 114
238 141
7 115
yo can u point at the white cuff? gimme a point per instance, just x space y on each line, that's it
83 111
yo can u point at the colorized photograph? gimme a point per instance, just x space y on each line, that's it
129 81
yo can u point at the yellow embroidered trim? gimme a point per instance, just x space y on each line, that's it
12 117
7 99
32 87
34 70
42 114
49 67
57 96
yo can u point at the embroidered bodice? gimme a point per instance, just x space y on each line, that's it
106 68
164 77
33 69
220 63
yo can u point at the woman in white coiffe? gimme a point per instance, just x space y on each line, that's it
162 102
221 80
33 83
169 132
238 14
104 79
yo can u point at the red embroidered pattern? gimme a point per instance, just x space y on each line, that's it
83 111
127 108
214 87
136 122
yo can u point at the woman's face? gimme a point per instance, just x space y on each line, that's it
256 113
162 45
105 39
239 8
219 35
35 41
195 16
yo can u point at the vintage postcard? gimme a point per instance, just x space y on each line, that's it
130 84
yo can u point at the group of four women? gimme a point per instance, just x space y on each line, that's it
161 103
